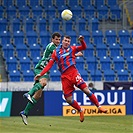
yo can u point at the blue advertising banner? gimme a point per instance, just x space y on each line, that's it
118 102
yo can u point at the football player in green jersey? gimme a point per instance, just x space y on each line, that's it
35 93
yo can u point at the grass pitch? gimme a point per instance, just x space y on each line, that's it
92 124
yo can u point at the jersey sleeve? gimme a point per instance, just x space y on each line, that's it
83 46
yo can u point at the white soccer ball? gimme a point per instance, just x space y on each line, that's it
66 14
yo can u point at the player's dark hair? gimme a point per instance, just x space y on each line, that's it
66 36
56 34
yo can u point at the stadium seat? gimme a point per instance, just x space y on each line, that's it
67 25
12 63
92 63
8 50
5 37
105 63
15 24
50 11
111 3
89 51
115 12
11 11
81 24
122 75
73 36
72 3
98 3
21 50
85 3
37 10
80 63
95 23
55 24
31 37
1 11
114 49
119 63
25 63
35 60
109 75
128 50
110 36
3 24
15 76
20 4
129 61
76 10
54 75
101 50
89 10
24 10
41 24
18 37
28 24
97 36
124 37
96 75
102 12
28 75
35 50
84 74
33 3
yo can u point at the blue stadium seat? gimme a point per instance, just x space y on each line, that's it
5 37
128 50
102 12
28 75
55 24
101 50
67 25
89 10
99 3
109 75
97 37
41 24
28 24
96 75
92 63
77 11
50 11
95 23
21 50
115 12
24 10
72 3
25 63
122 75
85 3
84 74
33 3
105 63
54 67
3 24
124 37
54 75
111 3
129 61
8 50
80 63
110 36
18 37
114 49
10 2
31 37
89 52
35 60
118 62
46 3
35 50
12 63
15 76
45 38
73 36
81 24
11 10
15 24
86 35
37 10
20 4
1 11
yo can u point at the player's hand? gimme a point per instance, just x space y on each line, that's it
79 54
81 38
37 77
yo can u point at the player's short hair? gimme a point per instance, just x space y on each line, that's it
90 85
56 34
66 36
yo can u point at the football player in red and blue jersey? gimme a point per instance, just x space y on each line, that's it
65 57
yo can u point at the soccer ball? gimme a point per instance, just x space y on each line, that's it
66 14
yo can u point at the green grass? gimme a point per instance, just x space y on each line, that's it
92 124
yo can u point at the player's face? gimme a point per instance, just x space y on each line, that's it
56 40
66 42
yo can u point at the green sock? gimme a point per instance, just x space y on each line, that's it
29 106
35 88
